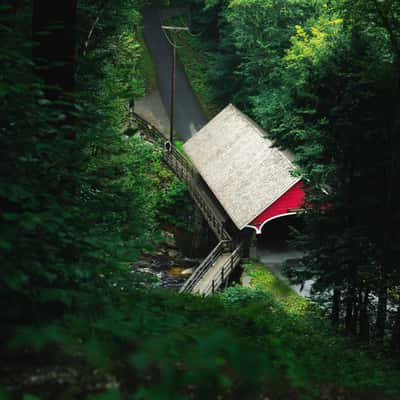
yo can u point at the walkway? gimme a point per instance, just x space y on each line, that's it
151 108
205 284
189 117
216 268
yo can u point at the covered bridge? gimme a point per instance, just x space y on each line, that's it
251 178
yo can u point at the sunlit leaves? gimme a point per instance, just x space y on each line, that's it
313 45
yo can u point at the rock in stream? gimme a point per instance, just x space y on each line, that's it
170 272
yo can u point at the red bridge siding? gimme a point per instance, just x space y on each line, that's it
291 200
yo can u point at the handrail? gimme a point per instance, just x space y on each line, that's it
187 172
204 266
148 126
220 276
210 212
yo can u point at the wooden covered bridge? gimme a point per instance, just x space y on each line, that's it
239 181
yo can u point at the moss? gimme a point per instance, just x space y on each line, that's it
263 279
179 146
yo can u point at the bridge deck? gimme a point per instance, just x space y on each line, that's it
215 269
204 285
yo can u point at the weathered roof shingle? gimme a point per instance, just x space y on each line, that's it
240 165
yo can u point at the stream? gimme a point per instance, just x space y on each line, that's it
168 271
176 259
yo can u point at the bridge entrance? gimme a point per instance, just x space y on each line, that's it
273 245
238 180
273 249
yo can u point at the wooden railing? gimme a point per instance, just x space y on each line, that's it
205 265
184 169
220 276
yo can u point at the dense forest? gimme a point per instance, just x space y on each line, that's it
83 195
322 78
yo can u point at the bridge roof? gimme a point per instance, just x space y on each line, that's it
240 165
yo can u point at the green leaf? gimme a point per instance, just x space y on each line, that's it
30 397
112 394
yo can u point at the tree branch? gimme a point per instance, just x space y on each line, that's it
93 27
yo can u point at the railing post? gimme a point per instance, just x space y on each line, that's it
184 169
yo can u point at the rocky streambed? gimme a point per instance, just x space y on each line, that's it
175 260
168 271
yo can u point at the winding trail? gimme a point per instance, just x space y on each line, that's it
189 117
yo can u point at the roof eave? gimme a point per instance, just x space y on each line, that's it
270 203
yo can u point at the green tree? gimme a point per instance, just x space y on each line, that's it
322 79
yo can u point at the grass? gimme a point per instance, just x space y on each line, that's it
263 279
193 56
146 65
179 146
298 337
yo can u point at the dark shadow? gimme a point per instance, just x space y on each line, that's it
276 234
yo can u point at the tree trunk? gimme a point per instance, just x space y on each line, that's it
382 311
391 173
54 32
351 301
350 306
93 27
396 332
336 306
364 318
199 233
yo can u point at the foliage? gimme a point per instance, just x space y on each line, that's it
262 279
146 65
75 207
174 207
254 36
194 56
81 195
152 344
322 356
76 191
322 79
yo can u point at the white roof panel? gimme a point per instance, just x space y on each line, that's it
240 165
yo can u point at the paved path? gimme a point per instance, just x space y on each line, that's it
151 109
274 255
189 117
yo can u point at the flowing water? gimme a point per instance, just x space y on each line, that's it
176 260
167 271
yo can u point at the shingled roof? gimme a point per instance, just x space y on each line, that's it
240 165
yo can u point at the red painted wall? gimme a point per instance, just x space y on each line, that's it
291 200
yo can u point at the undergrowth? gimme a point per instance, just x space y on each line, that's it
138 343
147 68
